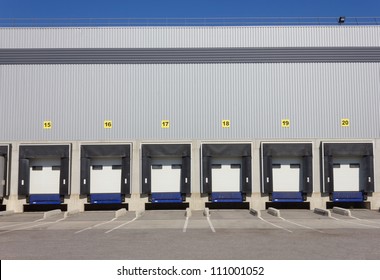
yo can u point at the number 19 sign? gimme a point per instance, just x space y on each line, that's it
285 123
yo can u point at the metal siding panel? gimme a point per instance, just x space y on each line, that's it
195 98
192 37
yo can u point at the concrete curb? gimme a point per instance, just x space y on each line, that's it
71 213
7 213
341 211
255 213
323 212
274 212
52 213
188 213
206 212
121 212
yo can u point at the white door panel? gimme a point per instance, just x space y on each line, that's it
44 175
105 175
166 175
286 174
226 174
346 174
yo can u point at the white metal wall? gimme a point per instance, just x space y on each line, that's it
190 37
195 98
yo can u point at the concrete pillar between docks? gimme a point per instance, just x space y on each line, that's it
74 202
196 201
12 201
136 202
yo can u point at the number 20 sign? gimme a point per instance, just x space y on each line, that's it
345 122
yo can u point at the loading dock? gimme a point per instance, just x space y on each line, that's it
44 176
348 174
226 175
4 174
105 176
166 175
287 174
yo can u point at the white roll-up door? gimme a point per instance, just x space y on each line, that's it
105 175
287 174
44 175
226 174
346 173
166 175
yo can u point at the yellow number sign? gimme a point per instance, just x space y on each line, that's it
165 124
345 122
285 123
107 124
48 124
226 123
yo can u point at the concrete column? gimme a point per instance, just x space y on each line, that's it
136 202
316 199
375 197
317 165
13 202
74 202
257 200
197 202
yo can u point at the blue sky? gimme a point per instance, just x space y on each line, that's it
186 8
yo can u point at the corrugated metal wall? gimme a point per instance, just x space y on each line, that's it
194 97
191 37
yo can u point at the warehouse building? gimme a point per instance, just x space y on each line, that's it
170 117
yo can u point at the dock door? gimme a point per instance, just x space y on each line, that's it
44 176
105 176
226 175
348 173
287 174
166 175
